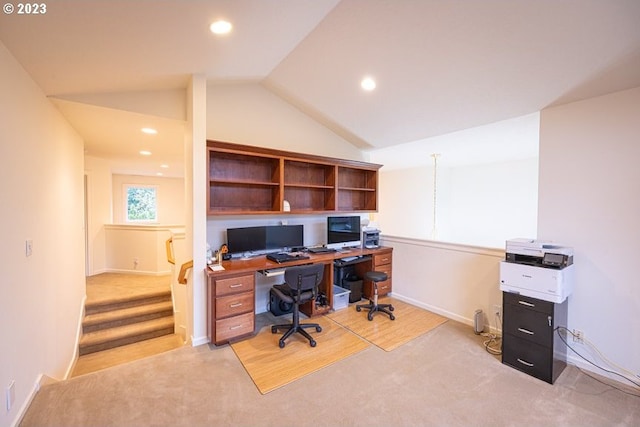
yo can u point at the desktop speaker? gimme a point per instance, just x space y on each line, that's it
277 306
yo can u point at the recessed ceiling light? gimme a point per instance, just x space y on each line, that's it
150 131
159 173
164 166
368 84
221 27
145 152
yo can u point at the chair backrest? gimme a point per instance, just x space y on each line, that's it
304 277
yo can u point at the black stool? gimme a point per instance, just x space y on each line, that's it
373 306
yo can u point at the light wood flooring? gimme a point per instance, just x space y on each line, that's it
112 287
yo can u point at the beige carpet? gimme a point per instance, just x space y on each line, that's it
271 367
411 322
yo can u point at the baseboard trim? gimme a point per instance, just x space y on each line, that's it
199 341
140 272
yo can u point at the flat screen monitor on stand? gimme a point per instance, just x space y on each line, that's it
247 242
343 232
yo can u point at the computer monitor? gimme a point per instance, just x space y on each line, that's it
343 231
246 239
264 238
285 236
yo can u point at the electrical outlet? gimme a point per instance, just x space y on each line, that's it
578 336
28 247
497 310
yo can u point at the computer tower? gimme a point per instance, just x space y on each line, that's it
277 306
345 277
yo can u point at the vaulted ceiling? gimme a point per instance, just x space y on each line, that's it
440 65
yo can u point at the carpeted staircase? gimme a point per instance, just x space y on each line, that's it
122 321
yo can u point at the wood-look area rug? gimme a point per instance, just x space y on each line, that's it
411 322
271 367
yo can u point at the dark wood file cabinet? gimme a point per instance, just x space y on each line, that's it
529 340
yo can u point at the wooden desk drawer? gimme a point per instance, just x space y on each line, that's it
234 327
233 285
231 305
381 260
384 287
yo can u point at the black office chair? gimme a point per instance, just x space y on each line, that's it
373 306
301 285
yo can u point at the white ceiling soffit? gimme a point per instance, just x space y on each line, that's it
124 45
443 66
117 135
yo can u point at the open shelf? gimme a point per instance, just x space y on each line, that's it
254 180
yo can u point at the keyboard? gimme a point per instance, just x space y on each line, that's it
284 257
321 250
349 258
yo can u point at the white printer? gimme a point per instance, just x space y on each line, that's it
537 269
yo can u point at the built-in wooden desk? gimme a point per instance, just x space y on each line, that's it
231 292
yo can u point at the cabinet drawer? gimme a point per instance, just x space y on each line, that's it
527 324
527 302
381 260
231 305
384 287
528 357
386 268
233 285
233 327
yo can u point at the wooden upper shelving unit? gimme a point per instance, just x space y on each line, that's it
254 180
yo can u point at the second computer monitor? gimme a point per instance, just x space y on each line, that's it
343 231
285 236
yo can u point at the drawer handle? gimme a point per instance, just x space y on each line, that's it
525 331
231 328
237 285
235 304
384 259
528 304
525 363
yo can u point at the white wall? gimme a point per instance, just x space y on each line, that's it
138 249
41 296
482 205
249 114
170 197
487 185
590 199
99 212
449 279
489 203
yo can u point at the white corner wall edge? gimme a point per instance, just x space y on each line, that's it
25 405
199 341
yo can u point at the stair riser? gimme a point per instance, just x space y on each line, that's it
86 328
101 308
124 341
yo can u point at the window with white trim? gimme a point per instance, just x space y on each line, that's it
140 203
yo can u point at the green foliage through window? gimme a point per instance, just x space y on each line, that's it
141 204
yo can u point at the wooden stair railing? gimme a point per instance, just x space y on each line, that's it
169 246
182 276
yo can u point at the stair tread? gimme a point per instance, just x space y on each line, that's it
127 312
126 353
119 332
